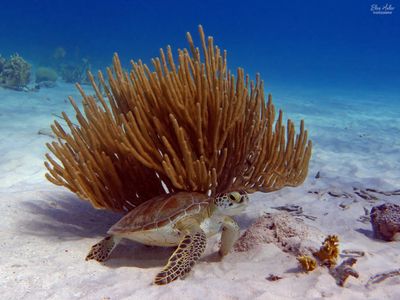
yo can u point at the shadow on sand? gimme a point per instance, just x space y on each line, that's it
63 215
131 254
366 232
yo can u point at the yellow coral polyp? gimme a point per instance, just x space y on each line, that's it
329 251
307 263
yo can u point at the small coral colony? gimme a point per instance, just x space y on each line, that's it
185 125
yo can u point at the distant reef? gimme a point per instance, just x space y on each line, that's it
45 77
75 72
15 72
45 74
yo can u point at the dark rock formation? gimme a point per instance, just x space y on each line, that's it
385 220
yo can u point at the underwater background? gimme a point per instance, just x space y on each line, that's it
339 47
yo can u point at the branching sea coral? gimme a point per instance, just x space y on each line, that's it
188 125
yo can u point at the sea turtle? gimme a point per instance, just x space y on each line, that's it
182 219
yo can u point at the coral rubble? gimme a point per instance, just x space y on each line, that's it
344 271
299 239
283 230
377 278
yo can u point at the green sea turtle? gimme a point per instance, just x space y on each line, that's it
183 219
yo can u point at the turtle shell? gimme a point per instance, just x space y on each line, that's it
160 211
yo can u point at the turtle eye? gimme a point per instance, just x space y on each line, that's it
236 197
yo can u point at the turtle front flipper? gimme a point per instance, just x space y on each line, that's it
102 250
230 234
185 256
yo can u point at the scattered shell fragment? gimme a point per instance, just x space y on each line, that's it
273 277
352 253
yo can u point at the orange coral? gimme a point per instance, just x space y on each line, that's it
329 252
307 263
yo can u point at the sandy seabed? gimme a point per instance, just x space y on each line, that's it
46 232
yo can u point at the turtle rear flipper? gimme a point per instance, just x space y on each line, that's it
102 250
185 256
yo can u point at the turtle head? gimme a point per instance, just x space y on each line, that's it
231 203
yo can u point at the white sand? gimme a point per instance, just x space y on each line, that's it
46 232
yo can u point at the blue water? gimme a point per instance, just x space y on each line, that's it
339 47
